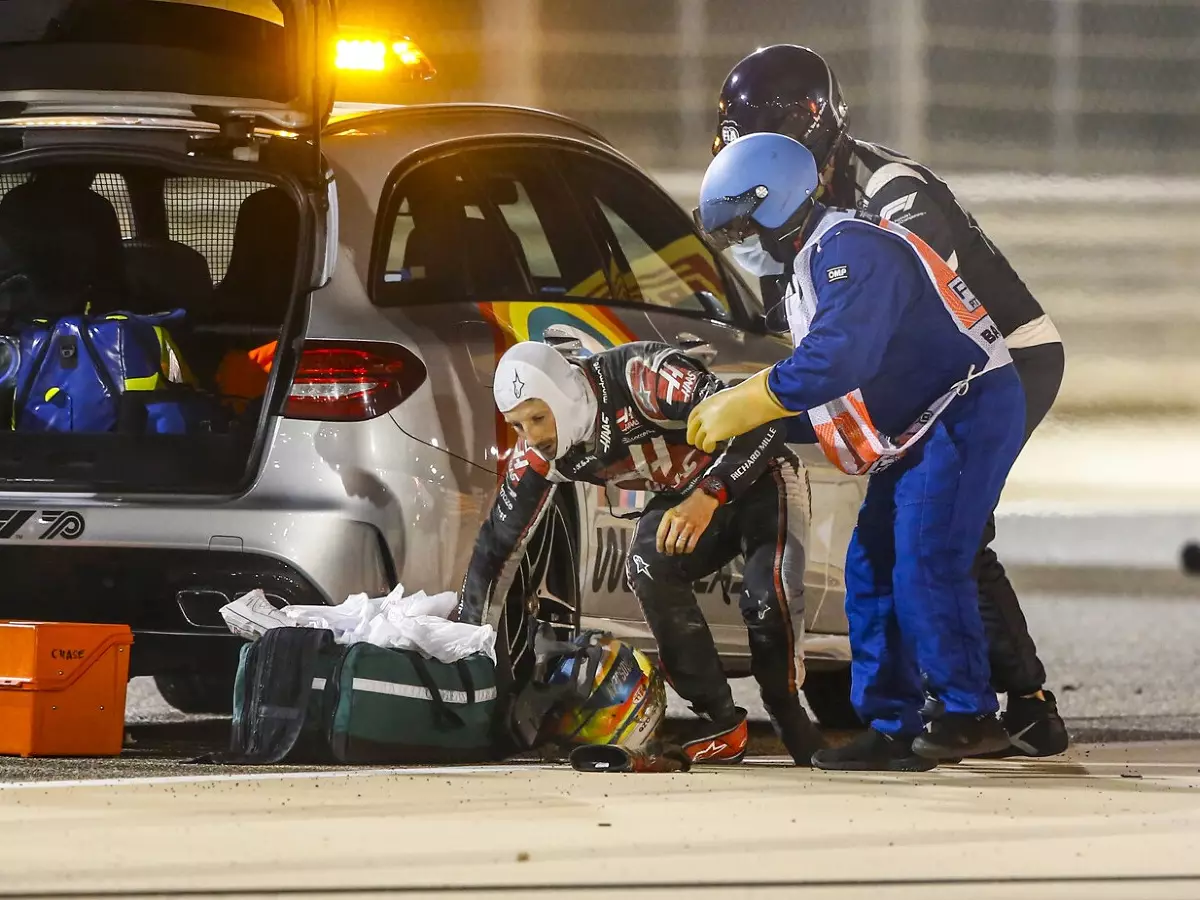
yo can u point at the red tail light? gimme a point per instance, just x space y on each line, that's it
351 381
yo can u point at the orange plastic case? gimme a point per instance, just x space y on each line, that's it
62 688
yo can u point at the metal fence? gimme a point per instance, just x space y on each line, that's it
1046 86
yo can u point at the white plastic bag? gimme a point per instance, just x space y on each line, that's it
418 622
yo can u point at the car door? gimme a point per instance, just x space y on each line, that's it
695 302
482 246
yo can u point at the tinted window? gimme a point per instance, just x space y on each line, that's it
485 224
654 254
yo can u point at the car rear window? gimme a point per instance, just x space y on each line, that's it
108 185
200 212
232 48
203 213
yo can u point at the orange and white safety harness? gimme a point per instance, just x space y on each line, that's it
843 426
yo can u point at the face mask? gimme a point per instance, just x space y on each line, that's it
534 371
752 257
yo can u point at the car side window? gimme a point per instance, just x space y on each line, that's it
654 256
443 245
532 202
483 224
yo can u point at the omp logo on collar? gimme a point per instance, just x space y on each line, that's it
837 273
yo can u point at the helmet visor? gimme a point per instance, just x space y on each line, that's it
728 220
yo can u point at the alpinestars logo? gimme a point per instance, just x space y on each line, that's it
714 748
65 524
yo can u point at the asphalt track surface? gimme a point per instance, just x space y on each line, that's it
1117 821
1125 668
1118 816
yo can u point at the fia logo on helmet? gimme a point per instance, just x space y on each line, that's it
729 132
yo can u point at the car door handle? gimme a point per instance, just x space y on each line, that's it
696 346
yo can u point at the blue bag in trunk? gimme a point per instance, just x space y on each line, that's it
75 372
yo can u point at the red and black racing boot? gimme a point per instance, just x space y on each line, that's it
718 742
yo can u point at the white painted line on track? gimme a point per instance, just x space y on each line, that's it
1016 767
273 776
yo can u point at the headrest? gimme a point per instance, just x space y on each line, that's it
165 274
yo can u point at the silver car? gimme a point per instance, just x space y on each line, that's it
379 263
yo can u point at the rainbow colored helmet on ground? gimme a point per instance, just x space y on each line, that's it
624 697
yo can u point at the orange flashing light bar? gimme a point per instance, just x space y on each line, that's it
357 54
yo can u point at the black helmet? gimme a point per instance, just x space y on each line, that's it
786 89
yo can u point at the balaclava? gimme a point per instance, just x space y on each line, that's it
534 371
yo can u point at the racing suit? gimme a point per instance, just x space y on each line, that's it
644 393
883 182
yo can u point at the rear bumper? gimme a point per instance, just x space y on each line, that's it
170 598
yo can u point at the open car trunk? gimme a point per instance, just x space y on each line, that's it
102 404
106 393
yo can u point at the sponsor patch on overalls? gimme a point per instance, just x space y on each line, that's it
837 273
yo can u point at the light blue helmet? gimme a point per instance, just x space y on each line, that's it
755 184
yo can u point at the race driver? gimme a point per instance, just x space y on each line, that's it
791 90
899 373
618 418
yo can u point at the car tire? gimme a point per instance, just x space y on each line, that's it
545 588
828 695
198 694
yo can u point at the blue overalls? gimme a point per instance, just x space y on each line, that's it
903 376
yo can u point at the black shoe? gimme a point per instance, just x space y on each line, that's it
872 751
1034 727
799 735
957 735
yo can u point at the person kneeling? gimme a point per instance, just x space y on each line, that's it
619 419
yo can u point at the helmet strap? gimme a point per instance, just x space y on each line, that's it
782 242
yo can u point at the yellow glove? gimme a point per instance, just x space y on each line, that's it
734 411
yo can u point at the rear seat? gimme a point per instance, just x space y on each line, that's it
164 275
257 287
252 299
67 240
